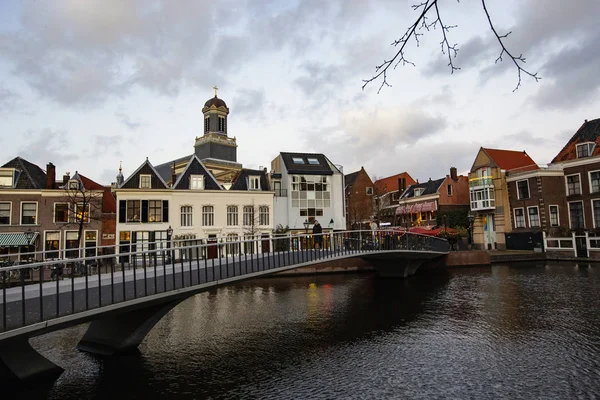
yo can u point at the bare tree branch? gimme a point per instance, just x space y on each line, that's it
450 50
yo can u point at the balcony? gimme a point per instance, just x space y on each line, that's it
481 181
479 205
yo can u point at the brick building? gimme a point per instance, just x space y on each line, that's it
359 199
387 194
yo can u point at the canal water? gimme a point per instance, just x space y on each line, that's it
524 331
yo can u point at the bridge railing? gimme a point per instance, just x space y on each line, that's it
38 291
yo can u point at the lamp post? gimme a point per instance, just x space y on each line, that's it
306 225
169 235
471 218
29 235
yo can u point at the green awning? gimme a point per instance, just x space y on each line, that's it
16 239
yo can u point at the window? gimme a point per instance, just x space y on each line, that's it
197 182
254 183
519 218
369 191
297 160
5 213
573 185
576 215
51 244
186 216
523 189
595 182
90 243
248 215
585 149
534 217
418 191
596 211
134 210
73 185
28 213
61 212
232 215
71 244
208 215
221 124
263 213
310 191
554 216
80 213
233 248
155 211
6 177
206 124
449 189
313 161
145 181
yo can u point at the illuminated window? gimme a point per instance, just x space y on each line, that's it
197 182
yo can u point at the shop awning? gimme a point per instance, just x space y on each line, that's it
417 207
15 239
407 209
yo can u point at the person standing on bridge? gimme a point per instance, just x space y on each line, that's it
318 235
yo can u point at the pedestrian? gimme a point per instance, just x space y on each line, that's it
318 235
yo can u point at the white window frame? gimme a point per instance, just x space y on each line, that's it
186 215
68 214
582 212
567 186
59 250
9 212
528 189
369 190
590 181
197 182
418 191
539 225
73 184
590 149
248 215
149 181
515 217
12 179
232 215
254 182
77 206
85 241
74 249
592 208
208 215
36 213
557 215
263 215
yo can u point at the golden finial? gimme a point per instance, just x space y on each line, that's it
216 88
120 166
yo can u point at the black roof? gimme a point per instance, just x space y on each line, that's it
322 168
164 170
241 181
431 187
195 167
29 176
156 181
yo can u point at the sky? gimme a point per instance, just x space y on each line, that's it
87 84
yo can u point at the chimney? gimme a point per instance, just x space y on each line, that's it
66 177
50 175
453 173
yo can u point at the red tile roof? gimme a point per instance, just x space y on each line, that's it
512 159
109 204
588 132
390 183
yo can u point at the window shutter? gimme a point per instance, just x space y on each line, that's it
144 210
165 213
122 211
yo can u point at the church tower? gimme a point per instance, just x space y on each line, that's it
215 148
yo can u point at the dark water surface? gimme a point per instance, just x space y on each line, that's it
528 331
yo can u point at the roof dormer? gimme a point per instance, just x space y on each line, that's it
7 177
585 149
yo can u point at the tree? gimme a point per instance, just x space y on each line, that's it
425 23
252 218
81 204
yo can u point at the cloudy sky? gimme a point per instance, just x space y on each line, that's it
88 83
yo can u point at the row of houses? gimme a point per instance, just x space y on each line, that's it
507 200
202 197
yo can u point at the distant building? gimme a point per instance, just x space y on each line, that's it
359 192
387 194
310 187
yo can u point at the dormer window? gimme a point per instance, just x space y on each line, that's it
297 160
73 184
585 149
7 177
145 181
197 182
254 183
419 191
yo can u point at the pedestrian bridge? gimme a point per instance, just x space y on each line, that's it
124 295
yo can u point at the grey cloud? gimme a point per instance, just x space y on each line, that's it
106 144
8 99
126 120
249 101
47 145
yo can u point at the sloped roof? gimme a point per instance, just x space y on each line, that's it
431 187
511 159
241 180
30 177
196 167
390 183
133 181
109 203
350 178
588 132
164 169
322 168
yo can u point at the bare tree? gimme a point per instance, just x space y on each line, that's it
251 219
429 18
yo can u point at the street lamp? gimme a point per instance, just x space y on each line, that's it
29 235
471 218
169 234
306 225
